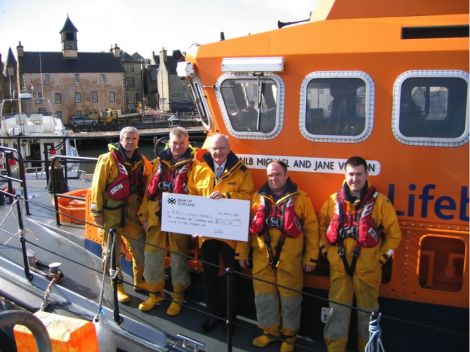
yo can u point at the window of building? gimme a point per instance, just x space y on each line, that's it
112 97
441 263
39 99
78 97
58 98
76 78
430 108
129 97
47 78
129 82
336 106
251 106
94 96
102 78
137 97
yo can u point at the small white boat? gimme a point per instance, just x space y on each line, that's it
37 131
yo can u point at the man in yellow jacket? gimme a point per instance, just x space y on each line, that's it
170 174
285 241
116 194
221 174
359 233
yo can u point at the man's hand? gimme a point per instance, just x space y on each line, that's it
309 268
99 220
216 195
244 263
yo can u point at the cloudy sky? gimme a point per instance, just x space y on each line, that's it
140 25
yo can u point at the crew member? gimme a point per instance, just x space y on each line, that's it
359 233
170 174
285 241
116 194
221 174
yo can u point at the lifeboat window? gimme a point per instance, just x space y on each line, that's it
441 263
430 108
198 97
251 106
335 106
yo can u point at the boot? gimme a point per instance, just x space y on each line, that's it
153 300
263 340
176 304
288 345
123 297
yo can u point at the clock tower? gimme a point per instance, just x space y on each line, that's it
69 39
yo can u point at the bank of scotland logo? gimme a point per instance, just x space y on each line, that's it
171 201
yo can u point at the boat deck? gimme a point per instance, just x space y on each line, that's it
82 275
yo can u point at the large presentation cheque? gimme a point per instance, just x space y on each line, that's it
194 215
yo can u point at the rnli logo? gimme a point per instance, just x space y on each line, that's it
171 201
116 188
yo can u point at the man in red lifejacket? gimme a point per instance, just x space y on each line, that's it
170 174
359 233
116 194
285 242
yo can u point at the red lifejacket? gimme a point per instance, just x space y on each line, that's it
169 178
126 183
357 224
281 215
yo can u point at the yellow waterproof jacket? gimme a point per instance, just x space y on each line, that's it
106 171
304 247
235 183
368 266
150 208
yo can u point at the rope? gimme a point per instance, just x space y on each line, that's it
375 333
105 261
47 292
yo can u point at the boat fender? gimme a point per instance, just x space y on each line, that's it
106 341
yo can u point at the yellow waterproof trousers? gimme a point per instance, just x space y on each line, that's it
342 290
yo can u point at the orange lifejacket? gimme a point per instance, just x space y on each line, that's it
357 224
170 178
126 182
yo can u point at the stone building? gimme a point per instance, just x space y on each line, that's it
134 72
74 82
173 95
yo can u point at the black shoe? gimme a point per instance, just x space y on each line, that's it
209 325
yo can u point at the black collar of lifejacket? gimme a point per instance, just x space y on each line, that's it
265 191
357 202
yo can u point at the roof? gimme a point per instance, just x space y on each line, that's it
128 58
11 61
54 62
68 26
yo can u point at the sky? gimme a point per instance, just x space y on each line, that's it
142 26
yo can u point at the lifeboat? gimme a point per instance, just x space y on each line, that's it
73 210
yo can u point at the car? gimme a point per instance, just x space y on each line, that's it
82 120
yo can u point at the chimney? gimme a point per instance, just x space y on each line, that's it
162 55
20 50
117 51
